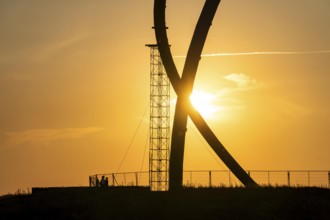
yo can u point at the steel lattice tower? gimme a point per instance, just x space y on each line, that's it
159 122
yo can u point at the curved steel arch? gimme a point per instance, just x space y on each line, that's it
183 87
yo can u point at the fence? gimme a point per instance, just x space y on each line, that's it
224 178
122 179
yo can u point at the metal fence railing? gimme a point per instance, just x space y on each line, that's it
223 178
121 179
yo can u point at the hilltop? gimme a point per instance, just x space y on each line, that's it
191 203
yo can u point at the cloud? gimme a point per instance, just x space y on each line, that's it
261 53
46 50
226 96
46 136
289 107
42 50
265 53
241 79
19 76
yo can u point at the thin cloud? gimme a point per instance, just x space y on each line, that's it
241 79
261 53
53 46
46 136
43 50
265 53
243 83
292 109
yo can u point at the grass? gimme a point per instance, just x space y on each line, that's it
190 203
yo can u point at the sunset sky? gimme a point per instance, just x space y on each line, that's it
74 86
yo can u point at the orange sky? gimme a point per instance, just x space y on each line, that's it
74 84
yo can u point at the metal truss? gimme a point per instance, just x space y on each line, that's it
159 122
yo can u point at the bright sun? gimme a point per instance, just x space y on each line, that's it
203 102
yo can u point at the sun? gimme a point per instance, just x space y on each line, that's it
204 103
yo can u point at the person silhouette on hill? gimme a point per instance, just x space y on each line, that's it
97 182
102 182
106 182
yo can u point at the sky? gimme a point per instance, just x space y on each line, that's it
74 86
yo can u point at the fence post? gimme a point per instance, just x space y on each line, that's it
136 179
288 178
309 178
210 178
191 178
268 177
229 178
97 182
113 179
329 179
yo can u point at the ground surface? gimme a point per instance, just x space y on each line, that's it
140 203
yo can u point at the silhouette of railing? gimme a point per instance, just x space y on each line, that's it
121 179
224 178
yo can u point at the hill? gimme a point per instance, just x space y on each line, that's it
191 203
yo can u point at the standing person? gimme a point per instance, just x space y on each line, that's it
97 182
102 182
106 182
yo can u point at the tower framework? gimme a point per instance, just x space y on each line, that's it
159 122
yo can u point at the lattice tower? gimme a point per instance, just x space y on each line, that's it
159 123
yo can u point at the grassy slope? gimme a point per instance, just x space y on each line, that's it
139 203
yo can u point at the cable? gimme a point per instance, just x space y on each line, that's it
144 153
130 144
206 147
232 180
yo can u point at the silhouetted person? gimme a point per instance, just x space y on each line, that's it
102 182
97 182
106 182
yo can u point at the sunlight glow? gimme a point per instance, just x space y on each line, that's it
204 103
